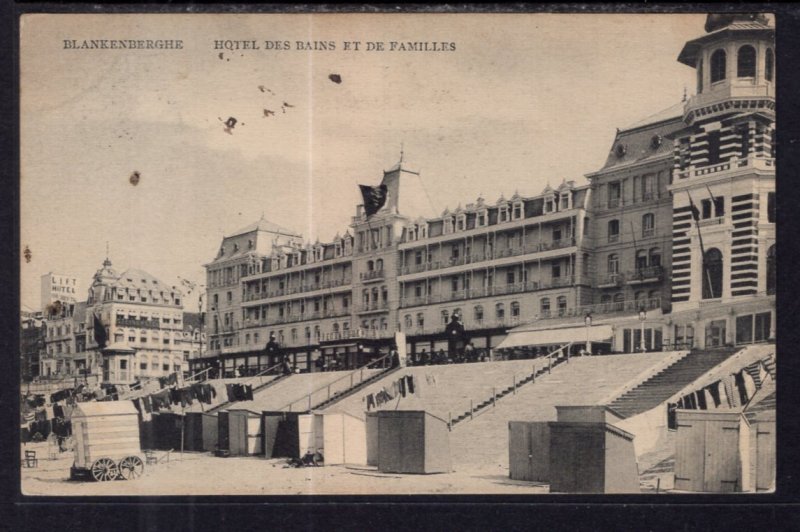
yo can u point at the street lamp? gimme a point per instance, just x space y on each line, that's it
587 320
642 318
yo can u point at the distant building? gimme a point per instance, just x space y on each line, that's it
31 344
58 287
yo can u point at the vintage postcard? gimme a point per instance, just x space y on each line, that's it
369 254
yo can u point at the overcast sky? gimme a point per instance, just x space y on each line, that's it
522 101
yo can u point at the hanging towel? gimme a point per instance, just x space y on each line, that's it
730 392
231 393
402 385
410 383
248 392
370 402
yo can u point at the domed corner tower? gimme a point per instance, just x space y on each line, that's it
723 181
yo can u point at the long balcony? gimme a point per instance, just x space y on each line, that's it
309 287
139 324
759 163
500 290
292 318
535 247
469 325
631 306
612 280
355 334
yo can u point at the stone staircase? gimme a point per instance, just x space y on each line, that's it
482 443
513 388
669 381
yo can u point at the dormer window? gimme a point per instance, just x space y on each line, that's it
249 244
448 225
423 230
338 249
235 248
461 222
517 211
549 204
348 245
503 214
566 201
482 219
411 232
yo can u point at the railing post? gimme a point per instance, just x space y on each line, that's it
494 397
470 409
515 384
549 364
351 380
309 402
533 375
449 420
329 392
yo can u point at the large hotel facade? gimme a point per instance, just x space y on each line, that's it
670 244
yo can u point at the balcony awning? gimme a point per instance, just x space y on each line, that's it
598 333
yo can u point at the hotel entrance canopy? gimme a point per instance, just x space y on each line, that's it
564 335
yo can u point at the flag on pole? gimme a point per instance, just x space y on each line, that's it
374 198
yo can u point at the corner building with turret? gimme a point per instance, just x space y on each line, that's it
670 245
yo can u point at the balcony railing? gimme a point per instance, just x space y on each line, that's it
610 280
469 325
374 307
613 203
372 275
353 334
645 275
534 247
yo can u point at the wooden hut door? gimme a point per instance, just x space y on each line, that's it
690 455
765 456
721 470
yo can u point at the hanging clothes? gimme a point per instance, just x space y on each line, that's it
738 380
172 379
248 392
231 393
713 391
672 416
750 385
370 402
701 399
730 391
58 411
402 385
410 383
160 400
174 396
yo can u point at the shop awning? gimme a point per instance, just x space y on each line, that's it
598 333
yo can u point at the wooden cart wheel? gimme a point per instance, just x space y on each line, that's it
131 467
104 469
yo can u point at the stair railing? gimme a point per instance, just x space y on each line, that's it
355 378
555 355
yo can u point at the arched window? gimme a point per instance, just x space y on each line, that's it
613 230
613 264
365 293
654 299
379 264
335 328
746 62
640 298
655 257
515 309
478 313
370 266
407 321
619 301
445 317
718 59
561 301
648 225
769 64
420 320
771 269
500 311
641 259
712 274
699 75
544 306
457 313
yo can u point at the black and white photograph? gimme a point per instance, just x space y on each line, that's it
397 254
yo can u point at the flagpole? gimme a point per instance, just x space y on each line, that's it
696 217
